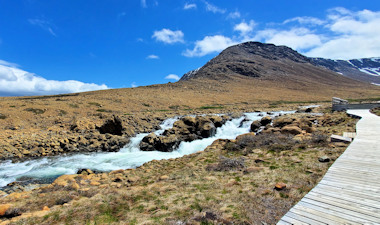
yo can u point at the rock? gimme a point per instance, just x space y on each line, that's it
112 126
280 186
291 130
324 159
185 129
265 120
283 121
245 137
164 177
167 143
217 120
67 181
3 209
207 130
148 142
189 121
45 208
255 126
85 171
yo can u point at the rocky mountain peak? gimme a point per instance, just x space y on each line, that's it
247 59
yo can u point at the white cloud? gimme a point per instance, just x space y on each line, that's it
342 34
5 63
296 38
245 28
189 6
133 84
17 82
143 3
153 57
209 44
234 15
355 35
168 36
172 77
44 24
305 20
212 8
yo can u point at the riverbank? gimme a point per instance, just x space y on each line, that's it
226 183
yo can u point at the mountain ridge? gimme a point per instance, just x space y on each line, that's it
247 59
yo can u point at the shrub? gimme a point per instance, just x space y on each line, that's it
73 105
35 111
95 104
226 164
274 142
318 138
230 146
2 116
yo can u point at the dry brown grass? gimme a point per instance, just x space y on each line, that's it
29 121
188 189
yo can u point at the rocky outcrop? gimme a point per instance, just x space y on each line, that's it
112 126
301 128
186 129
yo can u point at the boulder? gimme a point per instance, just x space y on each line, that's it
324 159
112 126
207 130
167 143
189 121
217 120
280 186
265 120
281 122
291 130
255 126
148 142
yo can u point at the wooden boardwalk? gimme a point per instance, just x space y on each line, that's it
349 193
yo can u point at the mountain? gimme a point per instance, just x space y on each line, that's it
271 62
366 69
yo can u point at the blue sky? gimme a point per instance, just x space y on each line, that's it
62 46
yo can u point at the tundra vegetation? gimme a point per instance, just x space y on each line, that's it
253 179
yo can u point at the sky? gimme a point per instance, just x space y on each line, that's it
64 46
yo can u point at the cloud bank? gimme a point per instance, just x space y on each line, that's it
17 82
342 34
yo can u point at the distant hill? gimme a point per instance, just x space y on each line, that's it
281 63
366 69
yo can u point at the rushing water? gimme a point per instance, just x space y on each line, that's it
129 156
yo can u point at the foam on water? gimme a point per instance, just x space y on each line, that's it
129 156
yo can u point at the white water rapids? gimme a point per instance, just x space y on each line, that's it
129 156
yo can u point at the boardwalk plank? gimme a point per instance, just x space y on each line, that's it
349 193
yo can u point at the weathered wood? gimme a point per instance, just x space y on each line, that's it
349 193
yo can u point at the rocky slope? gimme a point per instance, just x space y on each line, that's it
367 69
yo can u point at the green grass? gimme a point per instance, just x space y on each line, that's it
73 105
95 104
212 107
103 110
35 110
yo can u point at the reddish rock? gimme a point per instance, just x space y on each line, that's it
4 208
280 186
